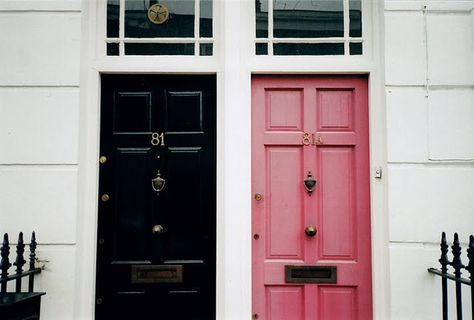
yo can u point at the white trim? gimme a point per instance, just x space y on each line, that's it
234 62
160 40
310 40
121 27
270 27
345 8
197 15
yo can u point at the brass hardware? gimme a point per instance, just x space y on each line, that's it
103 159
105 197
310 231
309 182
306 139
258 197
158 183
157 139
157 229
158 13
310 274
319 140
311 139
157 273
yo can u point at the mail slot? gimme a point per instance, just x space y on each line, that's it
310 274
157 274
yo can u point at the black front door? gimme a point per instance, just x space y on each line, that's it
157 192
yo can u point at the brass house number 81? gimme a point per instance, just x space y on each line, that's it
157 139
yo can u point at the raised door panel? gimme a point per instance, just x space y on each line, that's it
284 216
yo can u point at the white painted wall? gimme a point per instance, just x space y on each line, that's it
429 89
429 66
39 105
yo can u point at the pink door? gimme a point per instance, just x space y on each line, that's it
311 244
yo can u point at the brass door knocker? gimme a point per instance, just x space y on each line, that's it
309 182
158 183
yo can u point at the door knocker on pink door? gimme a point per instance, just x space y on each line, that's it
309 182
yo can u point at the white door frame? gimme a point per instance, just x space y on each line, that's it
234 64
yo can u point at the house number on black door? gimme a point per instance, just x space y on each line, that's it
157 139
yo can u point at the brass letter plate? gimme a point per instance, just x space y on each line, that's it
310 274
157 274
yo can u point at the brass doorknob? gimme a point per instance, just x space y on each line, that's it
157 229
310 231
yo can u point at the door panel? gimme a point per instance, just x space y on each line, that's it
156 249
303 127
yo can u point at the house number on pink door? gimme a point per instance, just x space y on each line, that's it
310 159
310 139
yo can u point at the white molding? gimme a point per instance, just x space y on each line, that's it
40 6
431 6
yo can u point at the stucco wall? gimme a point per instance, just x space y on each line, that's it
39 104
429 59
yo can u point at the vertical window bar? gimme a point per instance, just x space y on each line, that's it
346 27
214 30
270 27
122 28
197 19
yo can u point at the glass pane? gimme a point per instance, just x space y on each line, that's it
355 48
318 49
308 18
261 16
113 18
261 48
159 49
180 22
205 49
355 14
112 49
205 21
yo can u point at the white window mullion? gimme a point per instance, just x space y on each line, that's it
197 18
346 27
270 27
121 27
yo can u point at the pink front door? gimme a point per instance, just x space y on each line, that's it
310 127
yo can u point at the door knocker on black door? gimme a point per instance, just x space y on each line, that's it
158 183
309 183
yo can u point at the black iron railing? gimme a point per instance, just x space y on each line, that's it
19 305
19 263
457 266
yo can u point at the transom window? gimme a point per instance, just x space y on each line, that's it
165 27
308 27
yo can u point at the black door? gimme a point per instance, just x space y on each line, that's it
157 193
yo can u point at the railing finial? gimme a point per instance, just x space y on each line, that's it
443 260
4 262
20 260
457 265
470 255
33 245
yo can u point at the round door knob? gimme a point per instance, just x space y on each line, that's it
157 229
310 231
